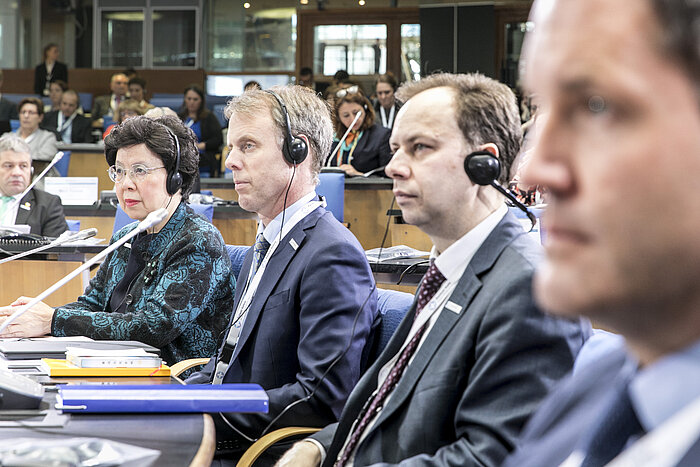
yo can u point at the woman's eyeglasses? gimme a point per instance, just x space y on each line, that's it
137 173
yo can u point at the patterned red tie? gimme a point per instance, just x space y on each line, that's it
432 281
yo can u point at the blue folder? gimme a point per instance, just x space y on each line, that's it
199 398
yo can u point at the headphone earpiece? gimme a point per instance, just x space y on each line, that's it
482 167
294 148
174 180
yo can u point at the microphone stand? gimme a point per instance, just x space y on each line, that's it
152 219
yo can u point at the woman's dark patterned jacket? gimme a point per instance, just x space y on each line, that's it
182 309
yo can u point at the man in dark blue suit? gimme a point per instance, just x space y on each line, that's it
305 300
466 368
617 153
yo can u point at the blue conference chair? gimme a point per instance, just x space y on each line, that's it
62 165
121 219
14 125
173 102
85 100
237 254
332 187
73 225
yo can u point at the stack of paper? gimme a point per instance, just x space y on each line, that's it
84 357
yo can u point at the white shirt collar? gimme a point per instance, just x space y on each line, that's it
454 260
275 226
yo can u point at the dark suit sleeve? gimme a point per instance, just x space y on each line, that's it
82 133
334 286
53 222
519 355
39 80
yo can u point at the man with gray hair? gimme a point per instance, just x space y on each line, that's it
474 357
42 211
619 156
305 300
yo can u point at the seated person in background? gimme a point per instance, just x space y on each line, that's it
386 105
108 104
306 78
367 145
206 126
172 288
68 125
56 90
304 283
42 211
474 357
126 110
8 110
251 85
137 92
42 143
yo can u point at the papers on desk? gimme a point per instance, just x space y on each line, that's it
394 252
85 357
199 398
57 367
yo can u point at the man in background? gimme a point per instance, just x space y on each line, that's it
107 104
42 211
68 125
618 152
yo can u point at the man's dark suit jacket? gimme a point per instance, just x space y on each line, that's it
478 376
300 321
59 71
43 212
372 150
566 418
8 110
80 130
101 107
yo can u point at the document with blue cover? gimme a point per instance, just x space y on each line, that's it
200 398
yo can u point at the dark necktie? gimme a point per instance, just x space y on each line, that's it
259 252
613 432
432 281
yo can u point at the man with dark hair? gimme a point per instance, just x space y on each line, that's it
619 155
68 125
474 357
137 92
306 78
306 299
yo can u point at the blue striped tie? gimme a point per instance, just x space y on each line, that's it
259 252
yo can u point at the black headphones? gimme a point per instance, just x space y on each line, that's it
174 180
294 148
482 167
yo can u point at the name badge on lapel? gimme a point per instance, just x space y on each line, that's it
453 307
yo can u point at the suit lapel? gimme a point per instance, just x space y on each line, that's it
22 213
465 291
276 266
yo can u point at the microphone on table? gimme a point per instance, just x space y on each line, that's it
154 218
65 237
340 143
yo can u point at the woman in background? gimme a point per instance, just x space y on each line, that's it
56 89
49 70
127 109
386 106
42 143
206 126
367 145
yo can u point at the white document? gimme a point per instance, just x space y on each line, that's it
73 190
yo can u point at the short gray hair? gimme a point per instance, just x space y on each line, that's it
309 115
486 112
12 142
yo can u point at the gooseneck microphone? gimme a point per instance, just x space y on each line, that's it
65 237
340 143
154 218
483 168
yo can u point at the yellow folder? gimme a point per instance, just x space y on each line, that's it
58 367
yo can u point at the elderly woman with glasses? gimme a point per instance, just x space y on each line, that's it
172 286
364 145
42 143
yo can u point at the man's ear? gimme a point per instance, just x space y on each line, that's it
490 147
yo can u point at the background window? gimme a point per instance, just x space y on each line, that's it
360 49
